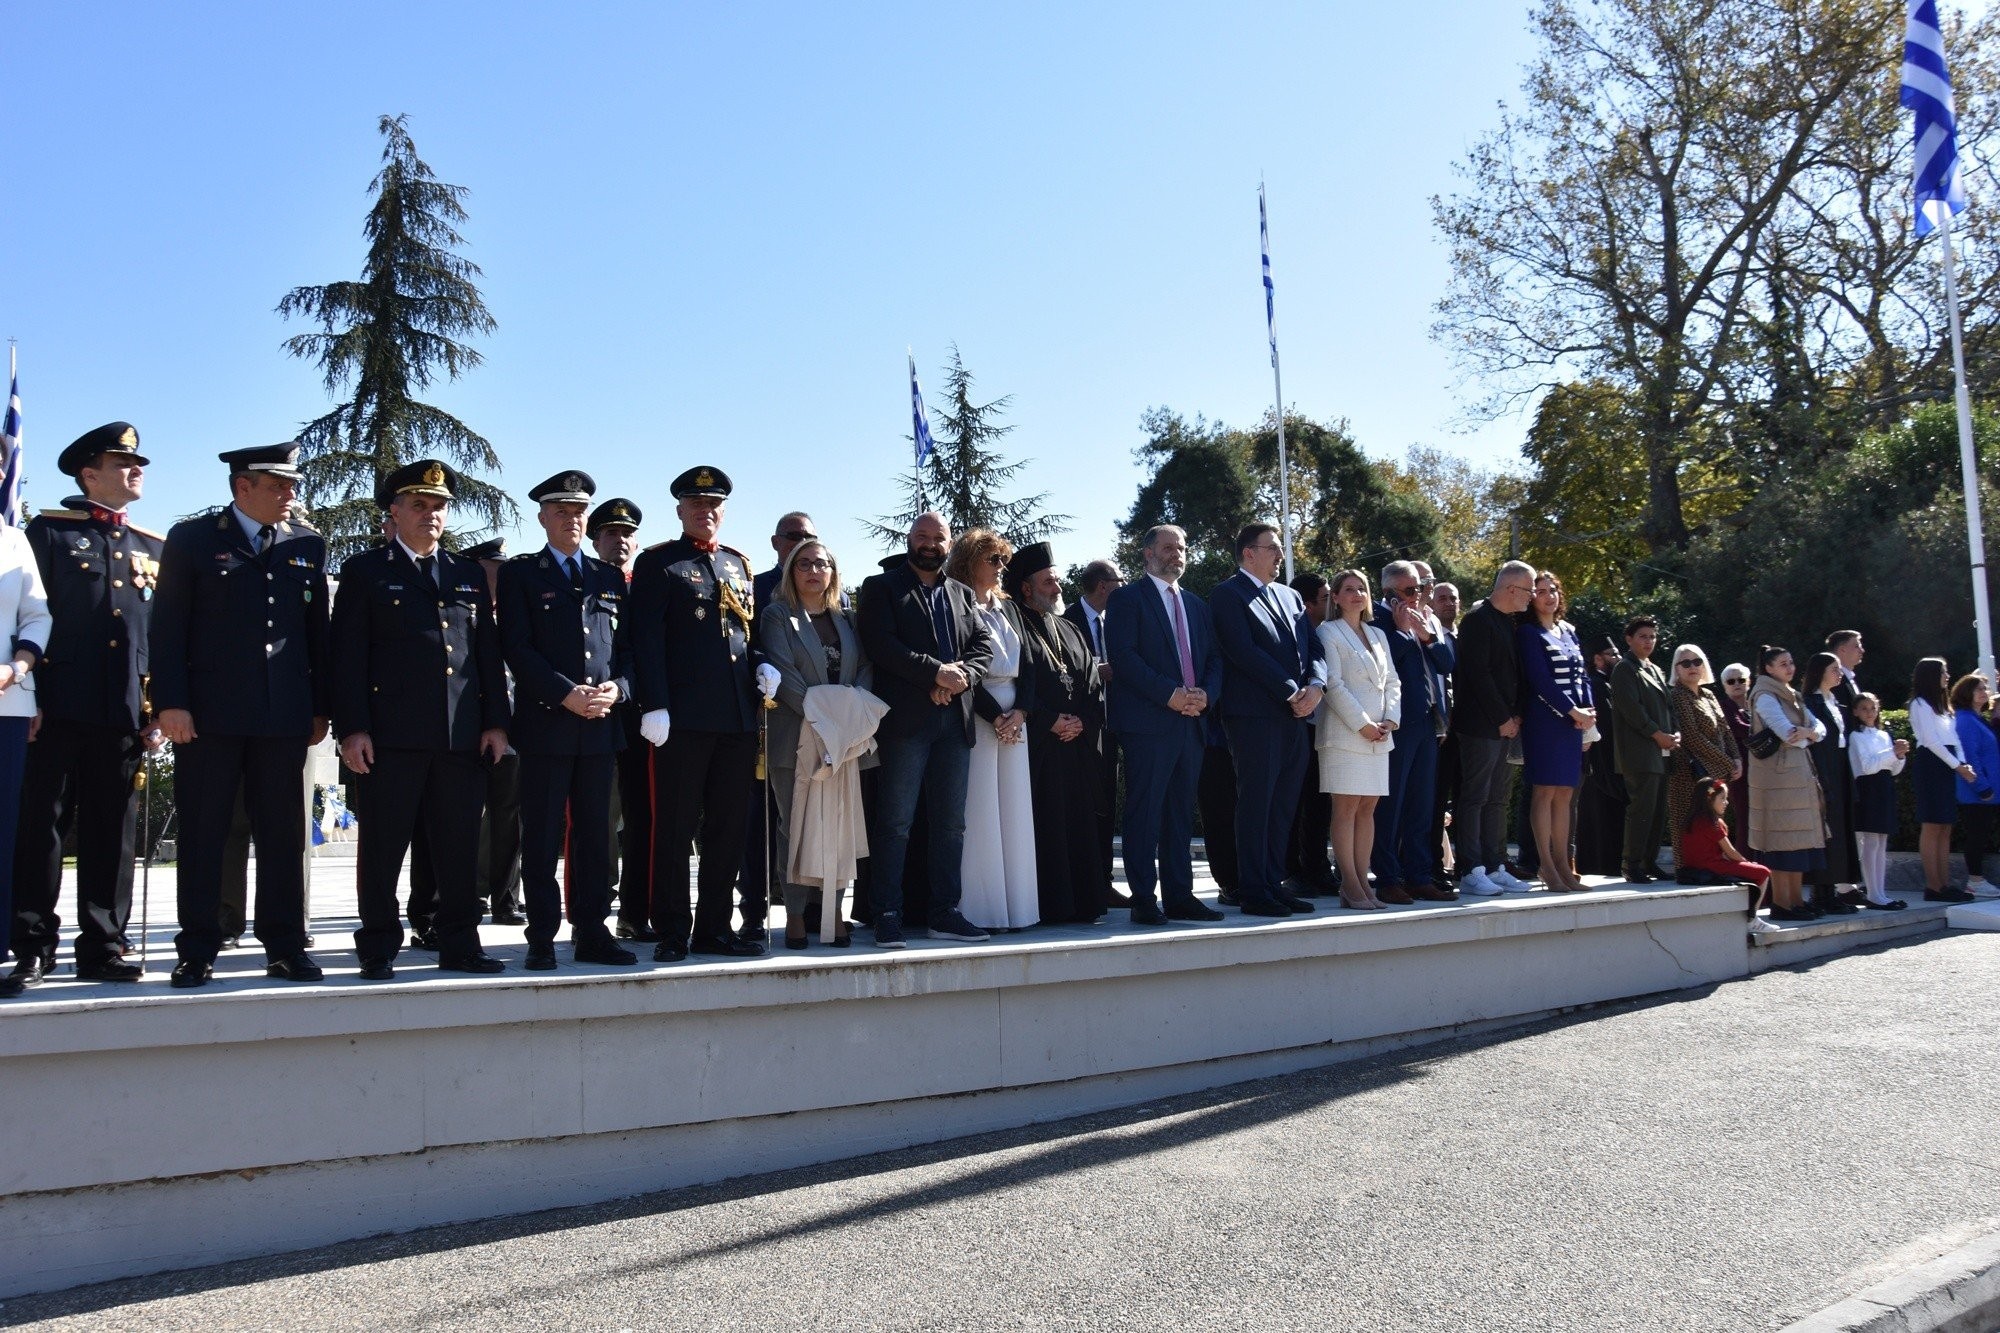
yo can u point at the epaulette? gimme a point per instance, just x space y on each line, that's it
668 542
733 551
146 532
76 514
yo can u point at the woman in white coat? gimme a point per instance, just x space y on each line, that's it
1363 705
25 621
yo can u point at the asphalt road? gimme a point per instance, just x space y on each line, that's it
1728 1158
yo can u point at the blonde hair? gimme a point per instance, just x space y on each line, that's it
787 590
1694 650
1367 607
972 546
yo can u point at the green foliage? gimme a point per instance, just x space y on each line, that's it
387 335
1470 506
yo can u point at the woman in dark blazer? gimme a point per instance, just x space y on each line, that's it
1834 887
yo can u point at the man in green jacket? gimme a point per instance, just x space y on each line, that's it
1643 741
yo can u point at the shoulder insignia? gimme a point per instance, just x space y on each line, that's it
76 514
733 551
146 532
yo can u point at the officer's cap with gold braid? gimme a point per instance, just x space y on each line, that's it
426 476
117 437
564 488
617 512
709 481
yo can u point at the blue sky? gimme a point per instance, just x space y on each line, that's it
709 232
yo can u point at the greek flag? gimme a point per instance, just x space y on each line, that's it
10 450
1927 92
1270 304
919 418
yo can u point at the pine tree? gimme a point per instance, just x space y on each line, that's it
965 472
388 335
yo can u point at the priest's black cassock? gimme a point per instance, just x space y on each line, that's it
1067 776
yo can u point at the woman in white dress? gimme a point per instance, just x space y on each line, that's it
1363 704
1001 890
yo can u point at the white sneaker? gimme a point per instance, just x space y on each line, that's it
1759 926
1979 887
1475 883
1507 883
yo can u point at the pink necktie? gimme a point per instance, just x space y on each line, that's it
1181 642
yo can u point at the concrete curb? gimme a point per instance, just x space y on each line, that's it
1956 1293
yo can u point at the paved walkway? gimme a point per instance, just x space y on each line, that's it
1727 1158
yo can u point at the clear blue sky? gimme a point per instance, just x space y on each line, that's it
709 232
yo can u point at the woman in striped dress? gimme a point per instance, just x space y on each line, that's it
1555 714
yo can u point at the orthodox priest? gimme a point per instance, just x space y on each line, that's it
1065 743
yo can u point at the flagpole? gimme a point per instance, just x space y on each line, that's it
916 436
1278 390
1968 461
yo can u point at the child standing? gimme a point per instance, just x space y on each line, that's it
1876 759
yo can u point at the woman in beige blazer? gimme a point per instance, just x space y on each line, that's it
1363 704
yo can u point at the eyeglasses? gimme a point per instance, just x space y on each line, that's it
1408 594
997 560
797 536
819 566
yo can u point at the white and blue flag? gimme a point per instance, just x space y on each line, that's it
1270 303
10 450
920 420
1940 194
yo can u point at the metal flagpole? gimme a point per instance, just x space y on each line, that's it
1278 388
920 431
1968 460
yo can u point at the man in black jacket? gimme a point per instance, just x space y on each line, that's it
930 649
1485 717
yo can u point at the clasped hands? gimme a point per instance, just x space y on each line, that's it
1066 727
591 701
357 749
952 680
1305 700
1011 727
1188 702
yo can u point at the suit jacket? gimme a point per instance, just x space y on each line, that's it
100 581
1487 679
1424 670
693 616
556 639
1640 706
417 664
1362 687
792 645
1269 650
1079 617
897 634
1145 663
240 640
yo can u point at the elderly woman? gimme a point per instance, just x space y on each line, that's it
1002 888
1733 693
812 641
1556 713
1787 821
25 623
1708 747
1363 704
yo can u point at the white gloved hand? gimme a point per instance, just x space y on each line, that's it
654 726
767 680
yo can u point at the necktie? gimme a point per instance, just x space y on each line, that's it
941 623
264 537
1097 633
575 564
429 566
1181 642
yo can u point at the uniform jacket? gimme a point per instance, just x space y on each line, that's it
897 635
1269 650
555 640
1145 664
100 583
1640 706
240 640
691 616
418 665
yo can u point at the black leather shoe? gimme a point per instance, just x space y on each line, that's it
230 942
10 987
294 967
189 974
603 951
1227 898
1835 907
756 933
1147 913
1948 896
470 962
670 951
730 946
1263 907
639 934
1119 898
1299 906
541 958
507 918
32 970
1893 905
377 969
108 969
426 940
1193 909
1295 887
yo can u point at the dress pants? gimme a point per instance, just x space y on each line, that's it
271 773
754 885
701 786
13 765
1312 828
1162 773
81 773
635 835
500 836
442 791
566 799
1645 819
1107 821
1444 798
1270 758
1486 779
1403 818
934 763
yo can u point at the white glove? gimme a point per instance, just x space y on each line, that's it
767 680
654 726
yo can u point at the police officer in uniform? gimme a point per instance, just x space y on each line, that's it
420 699
500 826
99 571
613 530
242 685
697 692
560 621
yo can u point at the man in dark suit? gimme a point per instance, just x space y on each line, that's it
1444 604
1485 716
559 624
1169 674
930 649
242 684
613 533
1423 659
1273 676
500 823
694 659
1845 645
753 886
1643 741
420 699
1099 579
95 728
1308 867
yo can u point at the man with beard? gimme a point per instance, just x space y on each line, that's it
1065 734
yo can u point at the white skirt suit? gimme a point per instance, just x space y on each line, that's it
1361 688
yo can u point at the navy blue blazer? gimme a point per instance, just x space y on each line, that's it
555 640
1424 669
1269 652
1145 665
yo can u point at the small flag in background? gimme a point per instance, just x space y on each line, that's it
1927 92
920 419
1270 304
10 449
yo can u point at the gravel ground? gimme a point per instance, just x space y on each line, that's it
1727 1158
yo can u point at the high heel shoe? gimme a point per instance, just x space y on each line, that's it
1365 905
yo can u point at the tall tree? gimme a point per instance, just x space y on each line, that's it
388 335
965 476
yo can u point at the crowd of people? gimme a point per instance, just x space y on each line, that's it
944 746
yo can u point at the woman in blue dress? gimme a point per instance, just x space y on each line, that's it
1555 714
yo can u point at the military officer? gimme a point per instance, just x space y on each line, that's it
90 692
697 691
500 826
560 621
242 684
420 698
613 529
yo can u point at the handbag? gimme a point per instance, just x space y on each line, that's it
1764 743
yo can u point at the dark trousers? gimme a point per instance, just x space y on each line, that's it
1645 819
500 837
1107 820
566 799
1486 780
1444 797
1403 818
1270 758
82 773
443 791
1215 796
1162 774
1307 859
1977 823
271 772
13 766
233 912
753 886
635 835
701 786
934 763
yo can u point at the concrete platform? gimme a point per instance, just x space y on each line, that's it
1805 941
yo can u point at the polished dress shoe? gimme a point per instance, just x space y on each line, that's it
1263 907
1893 905
541 958
1191 909
1296 906
1296 887
32 970
108 969
377 969
1227 898
1146 912
509 918
670 951
188 974
1835 906
605 951
470 962
1393 893
729 946
625 930
426 940
757 933
10 987
1429 893
1119 898
294 967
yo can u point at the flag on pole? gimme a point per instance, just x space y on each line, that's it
1940 195
1270 303
10 449
920 419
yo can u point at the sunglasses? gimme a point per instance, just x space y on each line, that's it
798 536
1686 662
997 561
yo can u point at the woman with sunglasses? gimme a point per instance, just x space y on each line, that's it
1733 694
1708 749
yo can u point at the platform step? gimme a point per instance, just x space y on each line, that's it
1982 915
1804 941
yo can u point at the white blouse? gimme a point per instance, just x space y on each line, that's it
1934 732
1872 750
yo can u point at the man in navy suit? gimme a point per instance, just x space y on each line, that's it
1273 675
1423 658
1169 673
